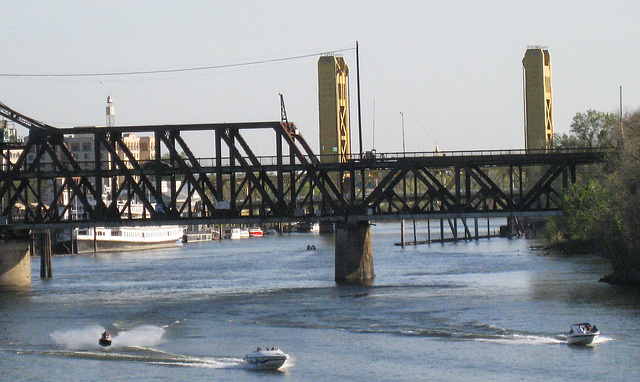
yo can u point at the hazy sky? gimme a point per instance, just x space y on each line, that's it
453 68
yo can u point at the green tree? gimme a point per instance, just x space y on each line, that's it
594 128
605 210
583 207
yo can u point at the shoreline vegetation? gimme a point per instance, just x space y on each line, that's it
602 209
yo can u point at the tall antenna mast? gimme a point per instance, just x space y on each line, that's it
111 112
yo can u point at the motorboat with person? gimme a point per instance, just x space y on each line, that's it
267 359
105 339
582 334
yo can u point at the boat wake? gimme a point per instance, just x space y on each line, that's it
134 345
87 337
83 338
601 339
476 332
523 339
144 355
220 362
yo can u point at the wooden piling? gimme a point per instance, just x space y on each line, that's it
41 245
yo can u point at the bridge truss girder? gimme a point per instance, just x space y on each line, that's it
237 186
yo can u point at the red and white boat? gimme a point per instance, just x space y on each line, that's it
255 232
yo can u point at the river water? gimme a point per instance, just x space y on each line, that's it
487 310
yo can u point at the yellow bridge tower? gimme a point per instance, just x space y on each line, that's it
333 103
538 100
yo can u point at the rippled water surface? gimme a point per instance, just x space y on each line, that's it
484 310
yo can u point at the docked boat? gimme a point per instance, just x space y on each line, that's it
105 339
582 334
266 359
255 232
231 233
271 231
307 227
105 239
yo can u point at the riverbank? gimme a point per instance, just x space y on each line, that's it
570 247
628 276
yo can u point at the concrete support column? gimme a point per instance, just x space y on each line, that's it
15 265
327 227
354 253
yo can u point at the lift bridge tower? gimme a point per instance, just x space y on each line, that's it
538 98
333 103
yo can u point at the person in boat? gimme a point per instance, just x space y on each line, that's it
594 329
259 349
105 335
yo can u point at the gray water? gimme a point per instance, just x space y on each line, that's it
487 310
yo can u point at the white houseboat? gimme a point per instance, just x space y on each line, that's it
105 239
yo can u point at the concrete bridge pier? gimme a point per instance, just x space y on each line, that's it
354 253
15 265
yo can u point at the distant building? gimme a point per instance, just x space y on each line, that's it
11 144
333 103
83 150
142 148
538 98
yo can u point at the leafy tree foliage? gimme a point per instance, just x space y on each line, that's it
606 209
590 129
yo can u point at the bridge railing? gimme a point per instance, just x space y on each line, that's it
272 160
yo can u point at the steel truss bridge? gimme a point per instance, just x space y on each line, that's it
44 185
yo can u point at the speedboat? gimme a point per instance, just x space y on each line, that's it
582 334
255 232
105 339
266 359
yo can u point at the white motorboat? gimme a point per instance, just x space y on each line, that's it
266 359
231 233
271 231
582 334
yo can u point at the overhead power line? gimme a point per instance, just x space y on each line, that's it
161 71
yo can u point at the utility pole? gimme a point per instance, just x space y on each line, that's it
620 120
359 111
373 135
403 145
